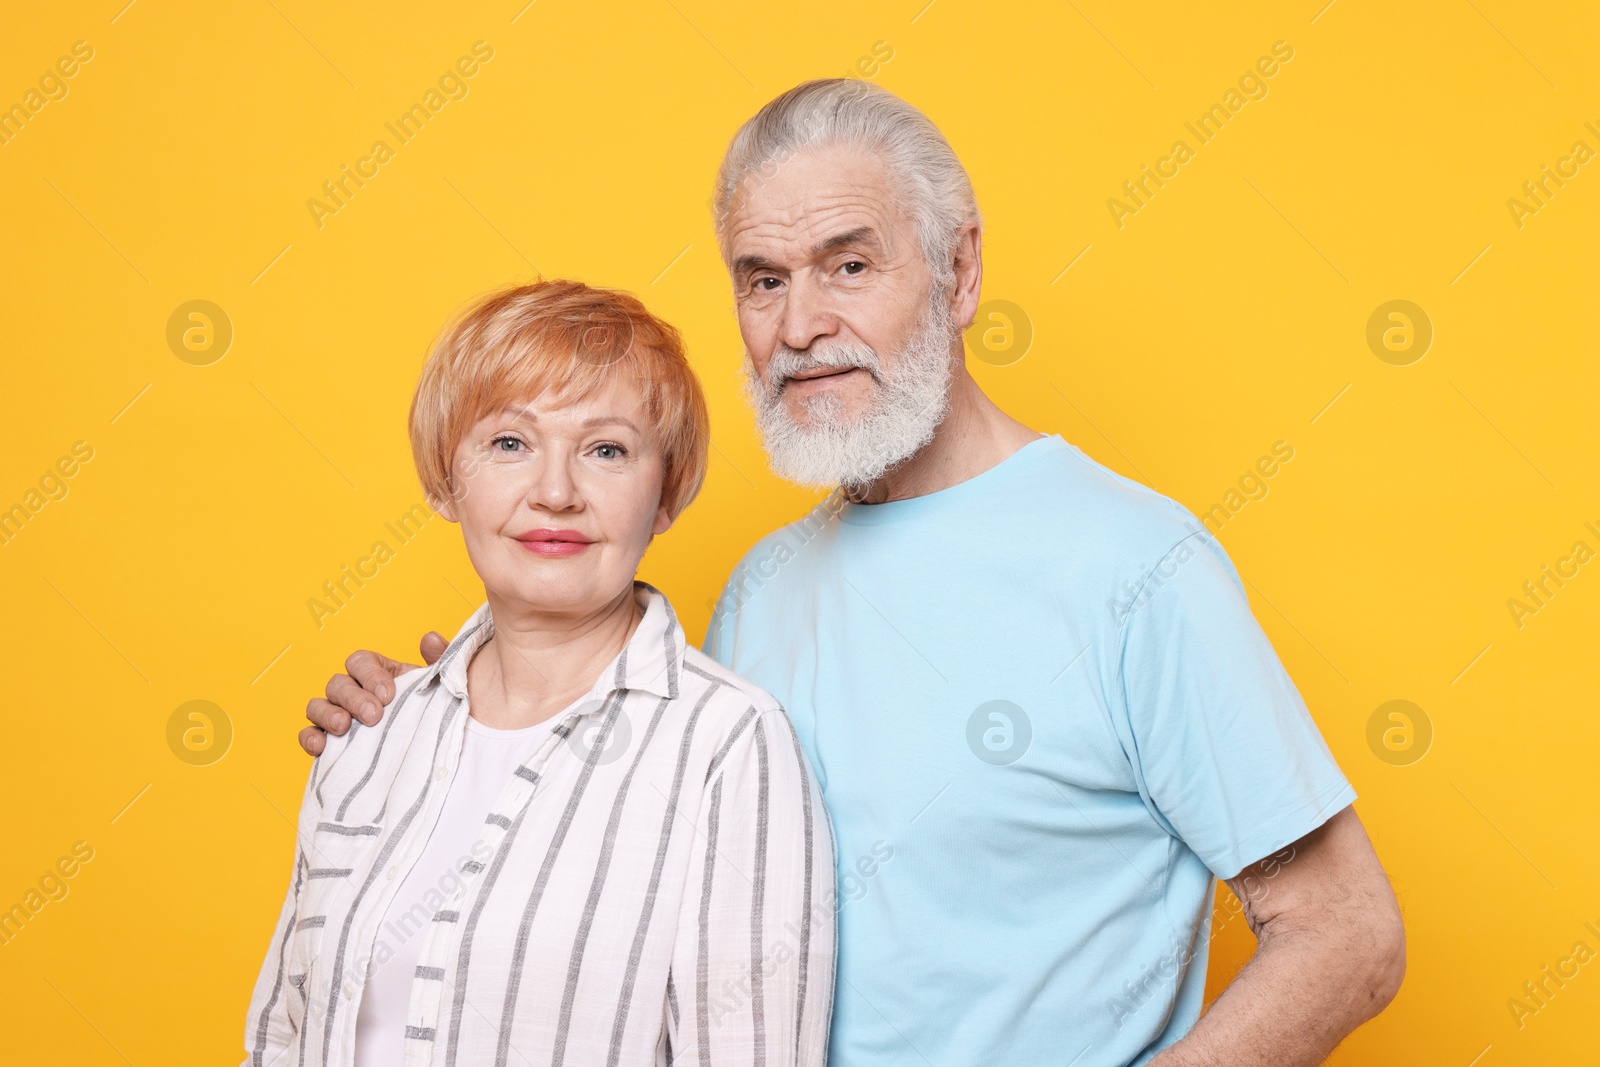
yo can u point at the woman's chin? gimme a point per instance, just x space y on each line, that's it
557 594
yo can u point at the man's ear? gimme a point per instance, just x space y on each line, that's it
967 263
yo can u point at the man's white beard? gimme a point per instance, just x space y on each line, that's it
911 401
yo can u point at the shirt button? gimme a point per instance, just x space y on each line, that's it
442 772
392 872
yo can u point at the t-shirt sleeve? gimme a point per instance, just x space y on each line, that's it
1223 747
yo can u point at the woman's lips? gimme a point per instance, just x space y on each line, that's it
554 543
555 548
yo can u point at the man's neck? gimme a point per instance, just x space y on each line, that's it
974 436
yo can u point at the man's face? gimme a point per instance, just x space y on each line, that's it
849 345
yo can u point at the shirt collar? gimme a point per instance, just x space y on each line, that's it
651 661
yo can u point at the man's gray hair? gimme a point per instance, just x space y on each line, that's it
930 181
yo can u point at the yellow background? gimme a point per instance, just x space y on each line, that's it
1224 316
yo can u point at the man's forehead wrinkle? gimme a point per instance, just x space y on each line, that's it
807 210
804 227
794 196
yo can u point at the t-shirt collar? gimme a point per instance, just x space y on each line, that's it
961 493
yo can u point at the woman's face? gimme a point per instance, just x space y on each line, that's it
558 501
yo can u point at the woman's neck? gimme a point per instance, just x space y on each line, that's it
536 664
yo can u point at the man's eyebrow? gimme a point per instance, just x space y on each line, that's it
862 236
747 263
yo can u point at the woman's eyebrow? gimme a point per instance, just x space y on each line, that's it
609 420
516 411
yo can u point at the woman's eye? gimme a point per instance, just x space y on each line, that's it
511 444
610 450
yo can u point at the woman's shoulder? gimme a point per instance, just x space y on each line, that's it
730 691
735 706
743 725
352 752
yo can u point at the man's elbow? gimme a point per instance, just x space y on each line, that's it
1385 961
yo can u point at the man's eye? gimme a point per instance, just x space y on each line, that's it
761 284
855 266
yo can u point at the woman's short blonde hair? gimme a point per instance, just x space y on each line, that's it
514 345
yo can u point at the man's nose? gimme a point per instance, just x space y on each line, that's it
807 313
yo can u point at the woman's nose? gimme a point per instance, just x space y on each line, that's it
553 486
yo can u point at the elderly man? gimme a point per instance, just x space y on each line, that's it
1041 712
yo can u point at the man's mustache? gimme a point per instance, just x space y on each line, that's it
787 362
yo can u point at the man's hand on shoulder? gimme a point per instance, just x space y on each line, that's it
362 692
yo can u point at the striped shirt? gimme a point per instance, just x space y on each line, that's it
654 885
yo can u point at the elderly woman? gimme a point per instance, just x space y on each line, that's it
574 838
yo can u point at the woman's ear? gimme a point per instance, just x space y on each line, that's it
663 521
443 507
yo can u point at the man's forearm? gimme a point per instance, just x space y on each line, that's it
1300 995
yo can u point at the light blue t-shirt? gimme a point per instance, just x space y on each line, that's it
1044 721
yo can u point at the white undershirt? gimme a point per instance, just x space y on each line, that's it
488 758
